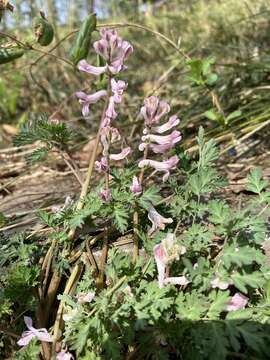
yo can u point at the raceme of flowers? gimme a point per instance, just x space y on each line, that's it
115 51
154 138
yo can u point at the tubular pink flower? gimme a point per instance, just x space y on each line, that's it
106 195
164 166
172 122
118 88
165 253
102 165
153 110
86 100
110 112
122 155
173 138
27 336
157 220
237 302
136 187
90 69
165 142
64 355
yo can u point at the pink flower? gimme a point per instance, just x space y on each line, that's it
27 336
153 110
86 298
173 138
108 135
86 100
172 122
217 283
122 155
136 187
110 112
165 253
157 220
164 166
113 49
64 355
106 195
165 142
118 88
102 165
90 69
237 302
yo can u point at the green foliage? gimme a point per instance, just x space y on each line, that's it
52 134
200 72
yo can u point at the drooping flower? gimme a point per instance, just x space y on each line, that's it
164 166
153 110
237 302
86 100
136 187
64 355
118 88
42 334
122 155
165 253
86 297
157 220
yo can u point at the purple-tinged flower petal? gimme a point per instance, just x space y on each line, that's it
153 110
118 88
28 322
64 355
110 112
157 220
178 280
90 69
164 253
172 122
218 283
165 142
106 195
237 302
86 100
102 48
173 138
102 165
86 298
161 257
122 155
27 336
41 334
164 166
136 187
